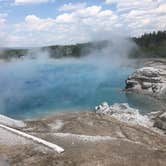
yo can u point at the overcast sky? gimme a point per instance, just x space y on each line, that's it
49 22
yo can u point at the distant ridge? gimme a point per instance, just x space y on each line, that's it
57 51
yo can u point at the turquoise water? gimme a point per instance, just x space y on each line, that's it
32 88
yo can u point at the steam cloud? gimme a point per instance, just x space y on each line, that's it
33 77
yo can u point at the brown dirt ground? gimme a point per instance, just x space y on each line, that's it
127 145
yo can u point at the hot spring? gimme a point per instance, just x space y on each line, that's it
31 88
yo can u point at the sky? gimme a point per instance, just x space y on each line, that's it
27 23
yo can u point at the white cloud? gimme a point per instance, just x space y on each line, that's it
3 35
20 2
141 16
72 6
35 23
110 1
3 19
125 5
65 18
82 23
162 8
89 11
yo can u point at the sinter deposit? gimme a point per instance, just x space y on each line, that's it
124 113
4 120
148 80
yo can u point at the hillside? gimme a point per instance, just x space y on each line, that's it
151 45
57 51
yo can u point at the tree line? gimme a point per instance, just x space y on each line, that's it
151 45
151 39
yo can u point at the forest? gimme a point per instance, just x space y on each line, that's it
150 45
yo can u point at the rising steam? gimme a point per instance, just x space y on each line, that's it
37 82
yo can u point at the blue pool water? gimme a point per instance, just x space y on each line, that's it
33 88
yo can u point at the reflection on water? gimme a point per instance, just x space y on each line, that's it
29 89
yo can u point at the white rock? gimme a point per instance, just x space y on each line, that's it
126 114
105 104
148 80
11 122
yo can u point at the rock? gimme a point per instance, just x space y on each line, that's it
124 113
148 72
160 121
148 80
132 84
103 107
146 85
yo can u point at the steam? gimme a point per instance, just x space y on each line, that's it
114 54
29 82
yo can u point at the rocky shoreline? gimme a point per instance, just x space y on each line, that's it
110 135
151 80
